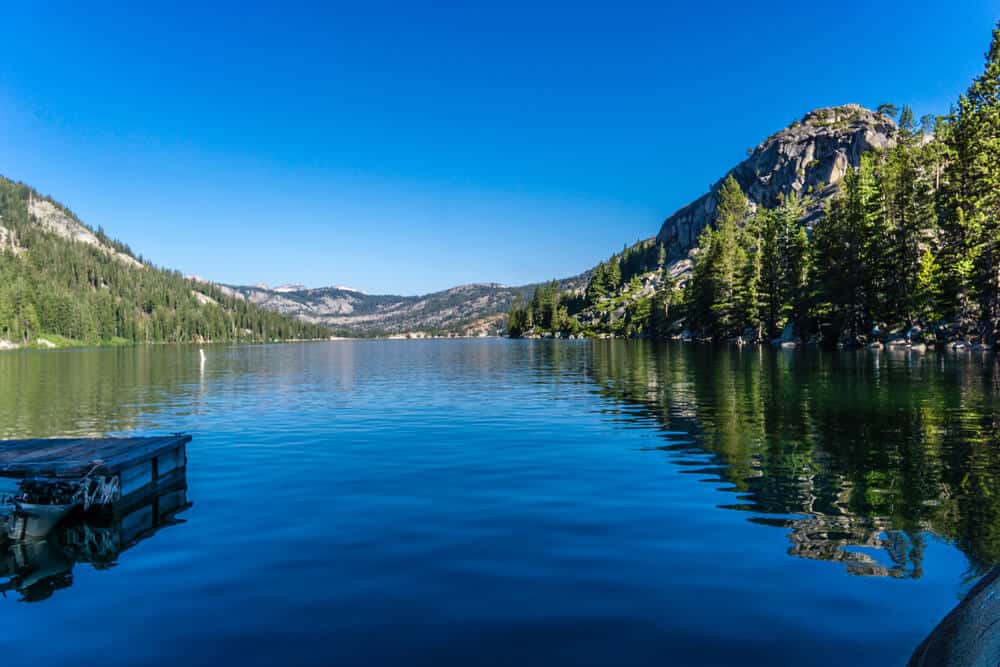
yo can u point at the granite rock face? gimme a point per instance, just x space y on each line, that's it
8 241
55 220
969 636
809 157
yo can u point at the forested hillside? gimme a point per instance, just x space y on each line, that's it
64 283
907 248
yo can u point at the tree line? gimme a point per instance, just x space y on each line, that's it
52 286
911 241
550 310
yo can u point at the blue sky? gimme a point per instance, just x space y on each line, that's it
402 148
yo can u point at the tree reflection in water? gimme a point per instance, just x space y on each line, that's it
857 455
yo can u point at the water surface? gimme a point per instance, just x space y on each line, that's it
518 502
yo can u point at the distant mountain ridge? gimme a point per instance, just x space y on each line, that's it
476 309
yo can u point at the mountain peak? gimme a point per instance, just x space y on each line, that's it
291 287
849 113
810 156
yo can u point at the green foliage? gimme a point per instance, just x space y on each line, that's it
519 319
660 308
609 277
783 264
847 253
913 237
888 109
58 288
719 288
597 288
928 294
547 311
971 199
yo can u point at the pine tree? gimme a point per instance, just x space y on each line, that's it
716 296
614 275
907 183
772 254
597 288
888 109
729 258
928 292
518 319
663 299
699 294
798 279
974 181
837 282
784 264
751 277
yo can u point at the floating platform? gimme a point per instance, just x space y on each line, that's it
56 476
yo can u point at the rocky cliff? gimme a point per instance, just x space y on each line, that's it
810 156
8 241
54 219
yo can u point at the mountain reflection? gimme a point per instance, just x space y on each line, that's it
857 455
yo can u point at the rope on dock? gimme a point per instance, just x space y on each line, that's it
97 490
90 490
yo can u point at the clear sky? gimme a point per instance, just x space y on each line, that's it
401 148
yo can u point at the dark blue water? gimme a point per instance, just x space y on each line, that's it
519 502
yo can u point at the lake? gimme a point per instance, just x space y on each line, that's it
504 502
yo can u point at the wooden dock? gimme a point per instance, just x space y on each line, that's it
77 457
86 472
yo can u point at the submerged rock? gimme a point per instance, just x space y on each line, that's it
897 341
969 636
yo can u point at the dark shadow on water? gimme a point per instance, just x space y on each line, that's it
36 570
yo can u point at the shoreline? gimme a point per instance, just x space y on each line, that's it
952 347
43 343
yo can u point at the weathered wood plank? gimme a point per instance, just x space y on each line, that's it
75 457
